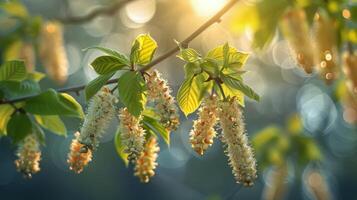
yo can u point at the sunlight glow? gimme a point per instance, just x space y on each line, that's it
207 8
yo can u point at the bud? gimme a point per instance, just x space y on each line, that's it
52 52
203 133
29 156
160 93
146 163
276 188
132 134
296 31
317 185
101 110
238 150
326 49
350 70
79 155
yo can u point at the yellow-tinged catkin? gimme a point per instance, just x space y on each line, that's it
52 51
350 70
101 110
317 185
326 49
203 133
296 31
277 186
146 164
238 150
79 155
160 93
132 134
29 156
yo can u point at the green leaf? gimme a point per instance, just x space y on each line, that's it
5 113
95 85
231 92
12 89
120 148
143 49
219 52
239 85
107 64
189 55
14 8
211 67
113 53
53 123
229 56
19 127
36 76
192 69
155 126
39 132
52 103
13 71
132 87
191 92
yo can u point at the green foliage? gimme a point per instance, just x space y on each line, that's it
132 88
53 123
13 89
189 55
152 125
13 71
123 59
52 103
143 50
237 84
95 85
19 127
5 113
107 64
14 8
120 148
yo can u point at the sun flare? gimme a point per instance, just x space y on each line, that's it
206 8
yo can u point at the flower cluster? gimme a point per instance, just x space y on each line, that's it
146 163
79 155
296 31
350 70
52 52
326 50
29 156
132 134
160 93
240 154
203 133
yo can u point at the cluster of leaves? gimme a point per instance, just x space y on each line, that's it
40 110
264 16
220 69
275 145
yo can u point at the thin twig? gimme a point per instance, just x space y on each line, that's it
216 18
218 82
107 10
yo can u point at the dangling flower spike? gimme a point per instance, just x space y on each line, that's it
240 154
160 93
29 156
79 155
132 134
146 163
203 133
350 70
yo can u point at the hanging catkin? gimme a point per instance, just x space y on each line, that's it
132 134
326 49
238 150
160 93
29 156
277 185
350 70
317 185
79 155
146 164
52 52
296 31
203 133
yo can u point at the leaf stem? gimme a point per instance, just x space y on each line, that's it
218 82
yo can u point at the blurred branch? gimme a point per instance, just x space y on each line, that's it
215 19
107 10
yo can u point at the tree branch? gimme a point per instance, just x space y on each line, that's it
216 18
107 10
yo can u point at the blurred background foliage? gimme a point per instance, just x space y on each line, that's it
303 130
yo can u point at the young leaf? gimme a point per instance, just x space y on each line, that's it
239 85
36 76
107 64
192 69
154 125
95 85
211 67
132 87
219 52
120 148
52 123
231 92
13 71
52 103
5 112
12 89
189 55
143 49
191 92
113 53
19 127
